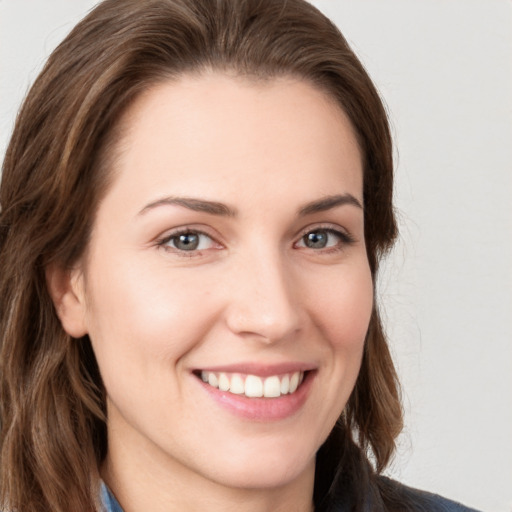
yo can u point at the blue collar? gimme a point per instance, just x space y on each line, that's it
109 502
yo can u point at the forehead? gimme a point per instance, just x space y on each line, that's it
204 131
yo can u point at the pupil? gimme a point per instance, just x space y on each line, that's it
187 242
316 239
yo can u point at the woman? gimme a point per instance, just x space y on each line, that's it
194 203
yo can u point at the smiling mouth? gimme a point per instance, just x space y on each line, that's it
253 386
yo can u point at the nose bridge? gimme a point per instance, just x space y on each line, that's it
263 301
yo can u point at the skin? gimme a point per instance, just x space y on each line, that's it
254 291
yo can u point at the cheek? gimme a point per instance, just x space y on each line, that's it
343 307
138 315
341 310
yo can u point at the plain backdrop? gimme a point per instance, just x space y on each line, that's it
444 69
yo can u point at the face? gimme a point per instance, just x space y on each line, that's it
226 289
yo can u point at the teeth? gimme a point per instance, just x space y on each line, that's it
213 380
223 382
253 386
237 385
272 387
294 382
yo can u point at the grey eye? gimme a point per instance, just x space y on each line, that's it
324 238
186 241
318 239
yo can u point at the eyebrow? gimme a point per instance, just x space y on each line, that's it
197 205
221 209
329 202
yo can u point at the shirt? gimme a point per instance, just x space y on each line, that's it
434 502
108 500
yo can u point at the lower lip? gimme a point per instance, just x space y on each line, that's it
262 409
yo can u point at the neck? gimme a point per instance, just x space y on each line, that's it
144 483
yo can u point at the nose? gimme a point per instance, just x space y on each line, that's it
264 301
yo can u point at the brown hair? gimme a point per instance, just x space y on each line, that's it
52 407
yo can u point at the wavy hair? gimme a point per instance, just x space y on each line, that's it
56 171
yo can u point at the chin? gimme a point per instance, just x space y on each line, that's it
269 470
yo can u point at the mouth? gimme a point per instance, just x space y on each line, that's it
259 392
254 386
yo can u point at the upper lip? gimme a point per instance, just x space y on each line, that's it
259 369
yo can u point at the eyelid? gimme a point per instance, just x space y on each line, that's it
162 240
346 237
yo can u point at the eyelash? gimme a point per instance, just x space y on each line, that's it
176 234
345 239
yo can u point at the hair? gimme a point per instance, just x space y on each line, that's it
55 173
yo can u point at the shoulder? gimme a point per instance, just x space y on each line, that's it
422 500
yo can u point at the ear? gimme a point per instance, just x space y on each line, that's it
66 288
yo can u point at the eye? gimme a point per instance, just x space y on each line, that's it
324 238
187 241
